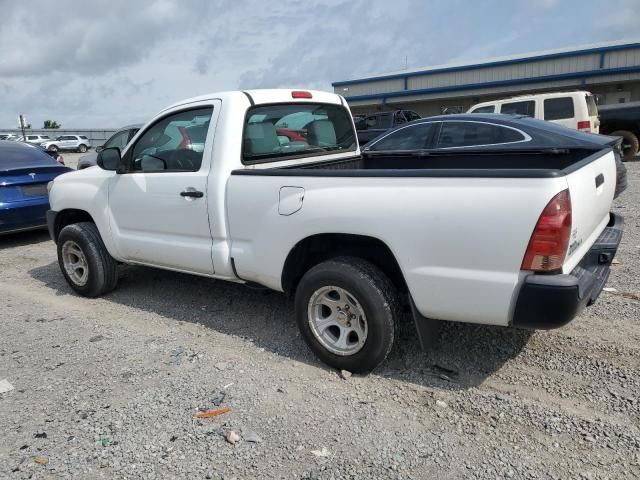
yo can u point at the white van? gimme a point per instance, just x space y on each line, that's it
577 110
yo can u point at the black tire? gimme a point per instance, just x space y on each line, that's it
375 293
630 144
52 148
82 148
102 268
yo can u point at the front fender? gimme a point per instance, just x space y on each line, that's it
88 191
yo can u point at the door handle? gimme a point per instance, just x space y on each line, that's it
599 180
192 194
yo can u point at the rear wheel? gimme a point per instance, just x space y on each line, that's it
630 144
346 309
84 261
82 148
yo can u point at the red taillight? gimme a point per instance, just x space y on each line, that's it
301 94
550 239
584 126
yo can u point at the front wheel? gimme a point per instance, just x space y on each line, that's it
85 262
52 148
346 309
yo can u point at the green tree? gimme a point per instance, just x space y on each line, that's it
51 124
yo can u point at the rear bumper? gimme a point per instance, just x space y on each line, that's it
551 301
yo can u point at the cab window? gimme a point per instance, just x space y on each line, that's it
173 144
400 118
118 140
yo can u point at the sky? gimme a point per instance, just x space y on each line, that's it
104 64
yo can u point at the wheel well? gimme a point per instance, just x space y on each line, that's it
316 249
68 217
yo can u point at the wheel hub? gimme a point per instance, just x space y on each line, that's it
75 263
337 320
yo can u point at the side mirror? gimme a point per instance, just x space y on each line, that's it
99 149
109 159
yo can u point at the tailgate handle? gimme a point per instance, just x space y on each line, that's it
599 180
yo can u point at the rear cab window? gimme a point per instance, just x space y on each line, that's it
287 131
558 108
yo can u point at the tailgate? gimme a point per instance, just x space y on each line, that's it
591 187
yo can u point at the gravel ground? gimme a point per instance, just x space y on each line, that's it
108 388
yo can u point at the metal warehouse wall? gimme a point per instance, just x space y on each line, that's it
96 136
507 72
589 68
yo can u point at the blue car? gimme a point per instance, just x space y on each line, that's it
25 171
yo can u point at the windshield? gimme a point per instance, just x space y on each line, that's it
289 130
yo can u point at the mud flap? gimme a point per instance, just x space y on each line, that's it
428 330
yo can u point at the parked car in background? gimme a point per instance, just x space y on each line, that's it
10 136
55 155
118 139
622 120
25 171
77 143
371 126
523 235
37 139
576 110
435 139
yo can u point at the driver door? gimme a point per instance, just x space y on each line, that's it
158 207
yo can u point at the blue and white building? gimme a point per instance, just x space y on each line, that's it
609 70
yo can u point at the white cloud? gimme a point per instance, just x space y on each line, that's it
107 63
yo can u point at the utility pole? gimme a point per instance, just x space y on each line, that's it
22 122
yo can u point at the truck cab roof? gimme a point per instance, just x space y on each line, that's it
264 96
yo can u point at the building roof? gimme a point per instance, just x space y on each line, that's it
504 60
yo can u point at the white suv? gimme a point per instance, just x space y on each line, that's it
37 139
79 143
577 110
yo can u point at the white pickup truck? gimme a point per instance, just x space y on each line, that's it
269 187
